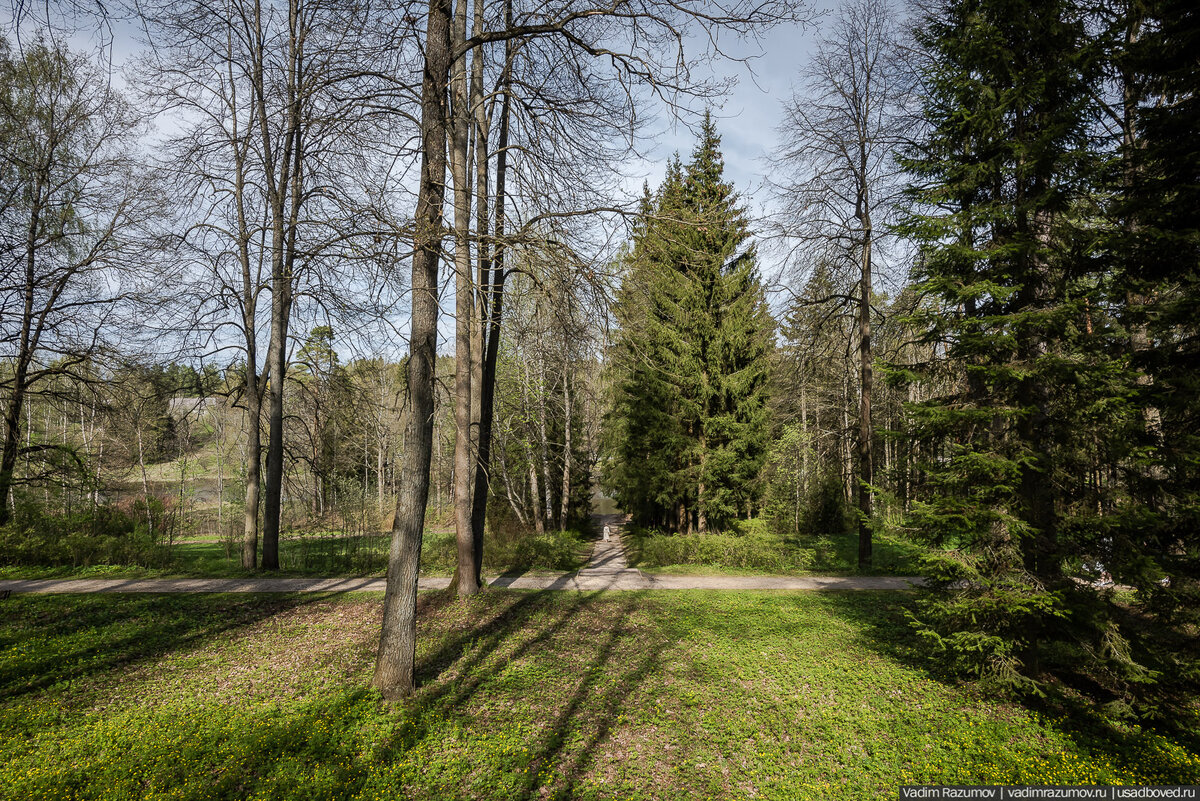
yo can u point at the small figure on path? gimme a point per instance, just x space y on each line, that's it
607 533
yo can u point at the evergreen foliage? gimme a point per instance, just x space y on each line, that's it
1003 180
1061 271
688 427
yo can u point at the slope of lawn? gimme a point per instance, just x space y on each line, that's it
524 695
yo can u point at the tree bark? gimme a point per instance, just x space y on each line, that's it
565 506
494 304
395 663
285 196
544 442
865 454
466 572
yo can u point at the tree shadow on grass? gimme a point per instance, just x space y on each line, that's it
51 640
597 662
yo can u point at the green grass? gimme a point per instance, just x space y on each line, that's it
332 554
684 694
762 551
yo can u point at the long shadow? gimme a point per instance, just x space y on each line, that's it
469 650
610 701
126 629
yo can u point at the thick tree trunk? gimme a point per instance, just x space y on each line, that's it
395 663
284 192
466 572
25 348
277 355
494 297
539 522
253 468
12 442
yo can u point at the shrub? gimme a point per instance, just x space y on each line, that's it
108 535
508 549
826 511
758 552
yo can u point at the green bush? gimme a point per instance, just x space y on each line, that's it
108 535
336 553
825 510
757 552
505 550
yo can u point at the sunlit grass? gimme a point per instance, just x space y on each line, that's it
683 694
333 554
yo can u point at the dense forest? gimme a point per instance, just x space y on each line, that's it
328 267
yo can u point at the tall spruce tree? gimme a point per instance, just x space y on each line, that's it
1152 541
1005 183
687 430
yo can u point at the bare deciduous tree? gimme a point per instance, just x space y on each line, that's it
75 216
838 139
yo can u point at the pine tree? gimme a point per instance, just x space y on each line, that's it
1005 181
687 430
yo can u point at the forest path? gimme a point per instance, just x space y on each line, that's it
613 580
607 569
608 557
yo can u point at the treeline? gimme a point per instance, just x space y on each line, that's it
169 440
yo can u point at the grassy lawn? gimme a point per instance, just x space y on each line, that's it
331 554
764 552
523 695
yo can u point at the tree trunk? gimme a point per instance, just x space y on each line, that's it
539 522
481 346
25 347
466 572
253 466
544 441
12 442
395 662
535 499
865 455
565 506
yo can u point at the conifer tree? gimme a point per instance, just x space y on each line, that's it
1003 179
1152 542
689 419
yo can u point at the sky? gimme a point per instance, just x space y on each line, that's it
747 118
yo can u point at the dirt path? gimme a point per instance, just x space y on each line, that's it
584 580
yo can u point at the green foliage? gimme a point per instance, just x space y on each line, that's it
1004 175
125 534
1043 468
827 511
687 433
800 501
508 550
755 548
1154 544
